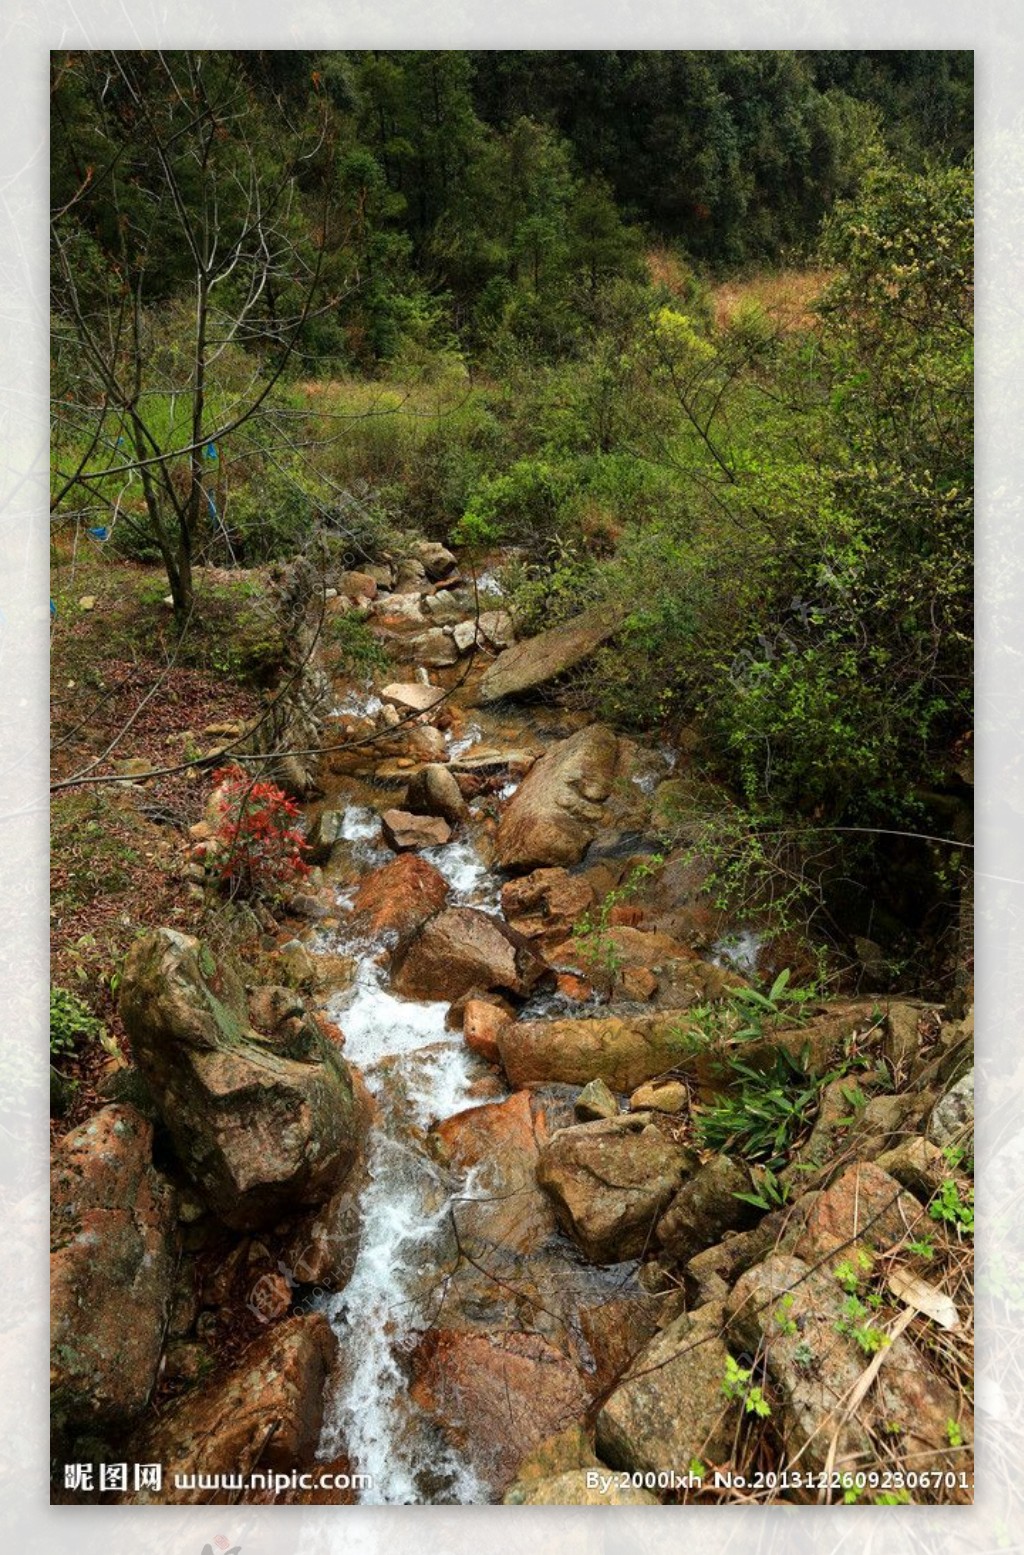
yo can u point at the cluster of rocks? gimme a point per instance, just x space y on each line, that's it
260 1122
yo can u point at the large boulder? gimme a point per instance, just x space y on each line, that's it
496 1396
610 1181
400 895
543 658
265 1412
412 697
555 813
259 1130
500 1142
623 1051
798 1316
669 1408
462 951
111 1269
434 791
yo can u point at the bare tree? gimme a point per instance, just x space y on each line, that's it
191 208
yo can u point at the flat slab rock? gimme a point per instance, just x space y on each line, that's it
411 697
542 658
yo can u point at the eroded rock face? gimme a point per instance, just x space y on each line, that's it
610 1181
556 811
112 1220
542 658
225 1428
461 951
400 895
502 1140
259 1130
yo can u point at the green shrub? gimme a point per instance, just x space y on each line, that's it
72 1023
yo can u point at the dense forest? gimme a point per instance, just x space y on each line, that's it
579 445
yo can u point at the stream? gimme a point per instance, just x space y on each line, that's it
412 1273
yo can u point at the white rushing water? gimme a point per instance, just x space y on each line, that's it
739 950
359 702
419 1072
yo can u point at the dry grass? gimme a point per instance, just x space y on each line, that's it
787 297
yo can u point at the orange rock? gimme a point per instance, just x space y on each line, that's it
401 894
481 1023
863 1207
496 1396
479 1133
639 983
621 914
572 987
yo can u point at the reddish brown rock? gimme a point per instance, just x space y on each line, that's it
112 1234
865 1207
496 1396
404 832
400 895
622 1052
226 1428
502 1140
434 791
357 585
547 904
481 1024
461 951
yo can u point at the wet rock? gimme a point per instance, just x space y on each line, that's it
505 1208
574 1489
865 1207
481 1023
705 1207
616 1329
596 1101
323 1246
112 1220
556 811
610 1181
496 1396
434 791
541 659
669 1408
325 832
952 1120
622 1051
411 697
461 951
546 904
401 894
267 1410
405 832
258 1132
296 966
669 1096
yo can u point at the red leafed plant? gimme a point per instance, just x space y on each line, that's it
258 847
